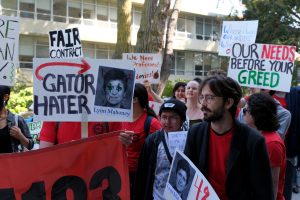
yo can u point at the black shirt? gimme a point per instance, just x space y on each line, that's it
5 142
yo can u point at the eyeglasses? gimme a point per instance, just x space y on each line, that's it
208 98
172 119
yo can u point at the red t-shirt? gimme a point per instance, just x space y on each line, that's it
219 146
69 131
134 150
281 101
277 156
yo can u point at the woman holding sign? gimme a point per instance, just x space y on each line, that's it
14 133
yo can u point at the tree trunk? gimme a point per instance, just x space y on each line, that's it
124 29
168 56
150 37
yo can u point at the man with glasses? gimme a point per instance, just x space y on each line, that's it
232 156
155 158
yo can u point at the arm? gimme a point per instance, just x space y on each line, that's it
275 177
48 134
44 144
22 134
284 119
152 93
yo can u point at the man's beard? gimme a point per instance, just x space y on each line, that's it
213 116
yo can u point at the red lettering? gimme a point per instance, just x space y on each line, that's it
265 51
273 50
206 193
285 52
278 52
199 188
292 52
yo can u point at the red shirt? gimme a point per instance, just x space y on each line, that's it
69 131
134 150
277 156
281 101
219 146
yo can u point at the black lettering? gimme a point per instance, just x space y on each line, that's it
62 102
7 194
114 181
76 36
71 104
89 83
35 192
69 44
82 103
52 38
37 104
79 83
45 84
53 104
60 39
61 84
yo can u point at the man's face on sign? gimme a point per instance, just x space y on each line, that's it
115 92
181 180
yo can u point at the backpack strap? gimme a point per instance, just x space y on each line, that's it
163 139
147 125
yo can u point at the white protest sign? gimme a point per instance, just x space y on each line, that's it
185 181
9 49
67 90
236 32
147 66
65 44
35 129
267 66
155 106
176 141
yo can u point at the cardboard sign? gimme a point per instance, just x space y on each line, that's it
185 181
267 66
67 171
83 90
155 106
176 141
237 32
9 49
147 66
65 44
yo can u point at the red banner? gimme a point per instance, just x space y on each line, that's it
92 168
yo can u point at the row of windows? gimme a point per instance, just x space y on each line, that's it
88 12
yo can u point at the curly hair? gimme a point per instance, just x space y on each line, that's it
115 74
263 109
183 165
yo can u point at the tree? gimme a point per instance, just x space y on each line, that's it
123 44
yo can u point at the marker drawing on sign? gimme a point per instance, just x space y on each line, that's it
84 67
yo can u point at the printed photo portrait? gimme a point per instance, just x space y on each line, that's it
114 87
181 177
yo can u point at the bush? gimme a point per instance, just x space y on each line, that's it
21 97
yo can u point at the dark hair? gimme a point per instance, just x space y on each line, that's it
199 80
115 74
224 87
3 91
176 86
263 109
141 93
184 165
216 72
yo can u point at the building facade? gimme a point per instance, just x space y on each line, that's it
196 41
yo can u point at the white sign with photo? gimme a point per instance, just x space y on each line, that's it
185 181
236 32
176 141
9 49
65 44
83 90
147 66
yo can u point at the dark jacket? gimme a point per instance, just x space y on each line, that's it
143 186
24 129
248 169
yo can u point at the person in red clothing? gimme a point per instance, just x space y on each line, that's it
61 132
135 135
260 113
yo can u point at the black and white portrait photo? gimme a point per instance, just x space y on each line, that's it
114 87
181 177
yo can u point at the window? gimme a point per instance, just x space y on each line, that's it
26 51
43 9
113 14
74 9
27 8
42 50
181 24
89 14
180 63
137 16
198 60
88 50
208 29
199 28
102 12
9 7
59 10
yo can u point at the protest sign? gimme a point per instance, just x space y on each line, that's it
35 129
155 106
9 49
65 44
185 181
176 141
147 66
92 168
236 32
83 90
267 66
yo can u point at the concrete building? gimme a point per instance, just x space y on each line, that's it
196 43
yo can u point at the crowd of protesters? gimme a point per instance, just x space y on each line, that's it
246 147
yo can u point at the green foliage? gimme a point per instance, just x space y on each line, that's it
169 87
21 97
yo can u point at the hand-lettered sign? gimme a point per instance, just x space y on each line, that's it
237 32
185 181
65 44
67 171
9 49
83 90
147 66
267 66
